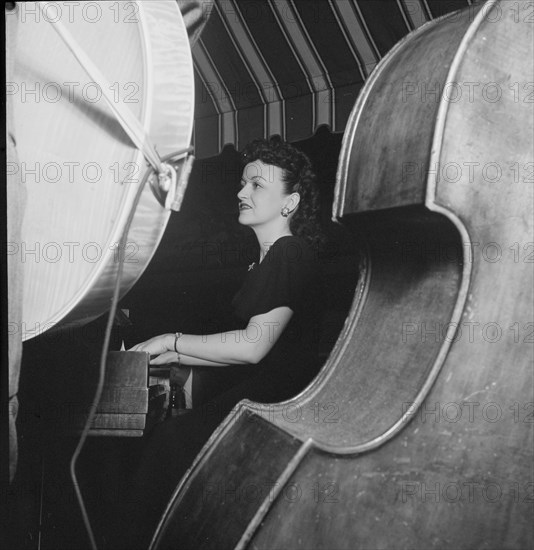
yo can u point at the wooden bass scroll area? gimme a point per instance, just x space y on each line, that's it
417 433
80 169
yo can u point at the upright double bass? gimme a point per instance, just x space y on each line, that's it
418 431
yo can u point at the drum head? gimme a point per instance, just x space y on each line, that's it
78 165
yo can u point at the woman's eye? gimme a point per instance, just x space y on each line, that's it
254 184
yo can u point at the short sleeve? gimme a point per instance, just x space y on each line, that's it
281 279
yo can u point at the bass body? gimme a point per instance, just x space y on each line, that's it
417 433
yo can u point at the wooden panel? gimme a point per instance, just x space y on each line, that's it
384 156
224 491
394 334
415 492
459 475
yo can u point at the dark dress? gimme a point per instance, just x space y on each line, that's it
289 275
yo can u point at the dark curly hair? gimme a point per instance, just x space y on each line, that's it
298 178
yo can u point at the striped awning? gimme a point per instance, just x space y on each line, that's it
286 67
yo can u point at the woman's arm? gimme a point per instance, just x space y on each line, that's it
172 357
236 347
249 345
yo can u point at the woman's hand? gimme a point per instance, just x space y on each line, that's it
159 345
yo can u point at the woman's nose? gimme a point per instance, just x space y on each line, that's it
242 193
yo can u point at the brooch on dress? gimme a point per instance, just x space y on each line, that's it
251 266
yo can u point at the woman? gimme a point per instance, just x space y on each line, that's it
273 351
277 307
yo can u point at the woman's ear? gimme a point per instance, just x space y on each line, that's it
293 202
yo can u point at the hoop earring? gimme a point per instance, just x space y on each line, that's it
285 212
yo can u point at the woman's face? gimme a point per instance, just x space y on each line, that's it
262 194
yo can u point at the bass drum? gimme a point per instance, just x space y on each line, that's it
80 168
